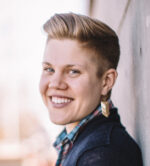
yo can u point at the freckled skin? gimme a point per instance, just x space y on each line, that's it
69 71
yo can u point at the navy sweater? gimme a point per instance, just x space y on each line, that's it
104 142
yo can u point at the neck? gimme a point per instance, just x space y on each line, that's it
71 126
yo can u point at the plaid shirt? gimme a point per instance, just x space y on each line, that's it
64 141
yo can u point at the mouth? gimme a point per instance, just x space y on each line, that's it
60 101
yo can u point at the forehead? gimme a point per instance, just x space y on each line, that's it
67 51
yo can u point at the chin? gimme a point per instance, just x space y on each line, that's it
58 121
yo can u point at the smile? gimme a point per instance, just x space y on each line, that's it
60 100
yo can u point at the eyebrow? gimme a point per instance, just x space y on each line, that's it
68 65
46 63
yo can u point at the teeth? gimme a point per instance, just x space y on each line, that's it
58 100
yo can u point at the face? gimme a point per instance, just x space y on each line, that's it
69 85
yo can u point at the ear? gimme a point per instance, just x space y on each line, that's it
108 81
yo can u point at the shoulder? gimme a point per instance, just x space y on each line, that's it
106 156
109 144
115 148
104 144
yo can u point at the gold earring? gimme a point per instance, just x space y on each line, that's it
105 108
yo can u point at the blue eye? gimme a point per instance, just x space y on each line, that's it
74 72
49 70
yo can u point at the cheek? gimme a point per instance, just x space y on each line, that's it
43 84
89 90
82 87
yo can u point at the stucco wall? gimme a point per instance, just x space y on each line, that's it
131 20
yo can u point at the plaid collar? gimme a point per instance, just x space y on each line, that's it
64 141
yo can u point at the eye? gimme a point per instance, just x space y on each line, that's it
74 72
49 70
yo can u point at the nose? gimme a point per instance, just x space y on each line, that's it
57 81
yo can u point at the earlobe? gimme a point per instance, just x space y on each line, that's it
108 80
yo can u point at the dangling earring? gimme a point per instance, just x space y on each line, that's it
105 108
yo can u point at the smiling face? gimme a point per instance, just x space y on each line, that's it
69 85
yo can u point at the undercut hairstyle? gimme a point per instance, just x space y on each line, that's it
92 34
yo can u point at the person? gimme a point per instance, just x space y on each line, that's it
79 70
